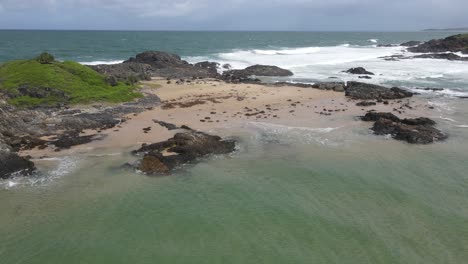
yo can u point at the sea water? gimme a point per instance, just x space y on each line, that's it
289 194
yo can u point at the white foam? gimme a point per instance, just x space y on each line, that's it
288 128
320 63
101 62
463 126
373 40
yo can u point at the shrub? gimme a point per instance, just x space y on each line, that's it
132 80
45 58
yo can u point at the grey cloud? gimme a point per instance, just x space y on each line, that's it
236 14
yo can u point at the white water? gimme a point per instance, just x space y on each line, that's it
311 64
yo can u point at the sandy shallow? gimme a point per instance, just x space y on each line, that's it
211 105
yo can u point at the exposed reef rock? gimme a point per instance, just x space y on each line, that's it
411 43
335 86
183 148
456 43
256 70
415 131
22 129
359 70
441 56
366 91
158 64
11 164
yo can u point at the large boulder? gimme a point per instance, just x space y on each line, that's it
415 131
183 148
359 70
158 59
11 164
456 43
366 91
256 70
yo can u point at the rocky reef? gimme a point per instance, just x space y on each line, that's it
158 63
456 43
366 91
185 147
414 131
245 75
359 70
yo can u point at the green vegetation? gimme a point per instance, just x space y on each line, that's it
45 58
29 83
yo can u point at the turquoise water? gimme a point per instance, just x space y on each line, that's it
88 46
275 201
287 195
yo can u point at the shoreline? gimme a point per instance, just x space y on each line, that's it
208 104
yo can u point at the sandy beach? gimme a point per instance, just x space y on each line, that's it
212 105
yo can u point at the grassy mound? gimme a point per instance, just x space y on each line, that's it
28 83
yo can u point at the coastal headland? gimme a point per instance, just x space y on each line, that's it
171 110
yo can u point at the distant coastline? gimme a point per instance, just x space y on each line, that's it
446 29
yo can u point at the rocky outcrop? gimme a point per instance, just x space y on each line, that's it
183 148
158 64
212 67
366 91
123 71
23 129
359 70
411 43
415 131
456 43
441 56
11 164
335 86
256 70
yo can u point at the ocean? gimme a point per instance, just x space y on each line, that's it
290 194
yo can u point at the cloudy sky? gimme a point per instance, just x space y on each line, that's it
233 14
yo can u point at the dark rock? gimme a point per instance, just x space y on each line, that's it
157 63
386 45
420 121
359 70
187 147
359 90
365 77
456 43
212 67
299 85
71 139
158 59
374 116
169 126
335 86
441 56
366 103
394 57
227 66
411 43
11 165
415 131
431 89
256 70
